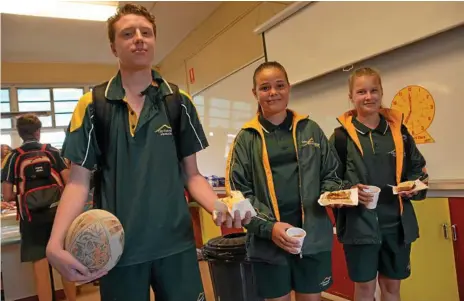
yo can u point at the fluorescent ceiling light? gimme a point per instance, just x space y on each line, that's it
79 10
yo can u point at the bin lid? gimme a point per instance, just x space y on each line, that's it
227 247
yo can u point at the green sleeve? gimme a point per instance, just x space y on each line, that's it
80 145
192 136
60 165
415 167
341 169
330 179
239 177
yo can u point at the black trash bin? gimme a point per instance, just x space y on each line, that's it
230 271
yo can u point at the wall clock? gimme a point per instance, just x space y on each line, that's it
418 107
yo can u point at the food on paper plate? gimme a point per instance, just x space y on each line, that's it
235 201
235 197
339 195
406 186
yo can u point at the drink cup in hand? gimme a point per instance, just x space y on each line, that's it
299 234
375 191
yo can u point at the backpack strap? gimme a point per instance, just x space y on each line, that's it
341 140
48 153
101 120
173 105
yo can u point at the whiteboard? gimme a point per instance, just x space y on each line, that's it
224 107
437 64
326 35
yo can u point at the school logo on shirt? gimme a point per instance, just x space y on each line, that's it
201 297
164 130
393 153
326 281
311 142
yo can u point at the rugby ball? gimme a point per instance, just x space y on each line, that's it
96 239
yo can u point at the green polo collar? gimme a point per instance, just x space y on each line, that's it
364 130
270 127
115 91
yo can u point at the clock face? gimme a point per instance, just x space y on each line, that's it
418 107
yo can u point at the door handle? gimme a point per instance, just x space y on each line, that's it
445 231
454 232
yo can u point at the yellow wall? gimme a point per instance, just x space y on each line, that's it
223 43
56 73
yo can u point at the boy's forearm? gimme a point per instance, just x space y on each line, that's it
71 205
202 192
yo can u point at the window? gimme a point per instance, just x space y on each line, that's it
241 113
55 138
219 113
64 101
199 102
5 107
32 100
6 139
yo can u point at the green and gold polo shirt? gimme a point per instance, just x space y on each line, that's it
284 167
380 160
142 181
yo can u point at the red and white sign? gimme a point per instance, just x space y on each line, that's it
192 75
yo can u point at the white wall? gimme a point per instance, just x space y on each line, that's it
436 64
223 108
326 35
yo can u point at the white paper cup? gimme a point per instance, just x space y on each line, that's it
375 191
299 234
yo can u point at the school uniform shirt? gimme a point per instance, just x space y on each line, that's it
251 167
141 182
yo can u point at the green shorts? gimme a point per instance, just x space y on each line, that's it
308 275
390 259
34 240
174 278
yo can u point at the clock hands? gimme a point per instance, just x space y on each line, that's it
410 109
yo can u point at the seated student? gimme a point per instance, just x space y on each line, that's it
35 226
283 162
376 149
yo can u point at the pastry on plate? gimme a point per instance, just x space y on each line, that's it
406 186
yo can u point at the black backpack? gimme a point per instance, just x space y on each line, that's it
102 119
38 183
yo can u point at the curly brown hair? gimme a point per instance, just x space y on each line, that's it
129 9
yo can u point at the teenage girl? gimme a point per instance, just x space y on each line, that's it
376 149
282 162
